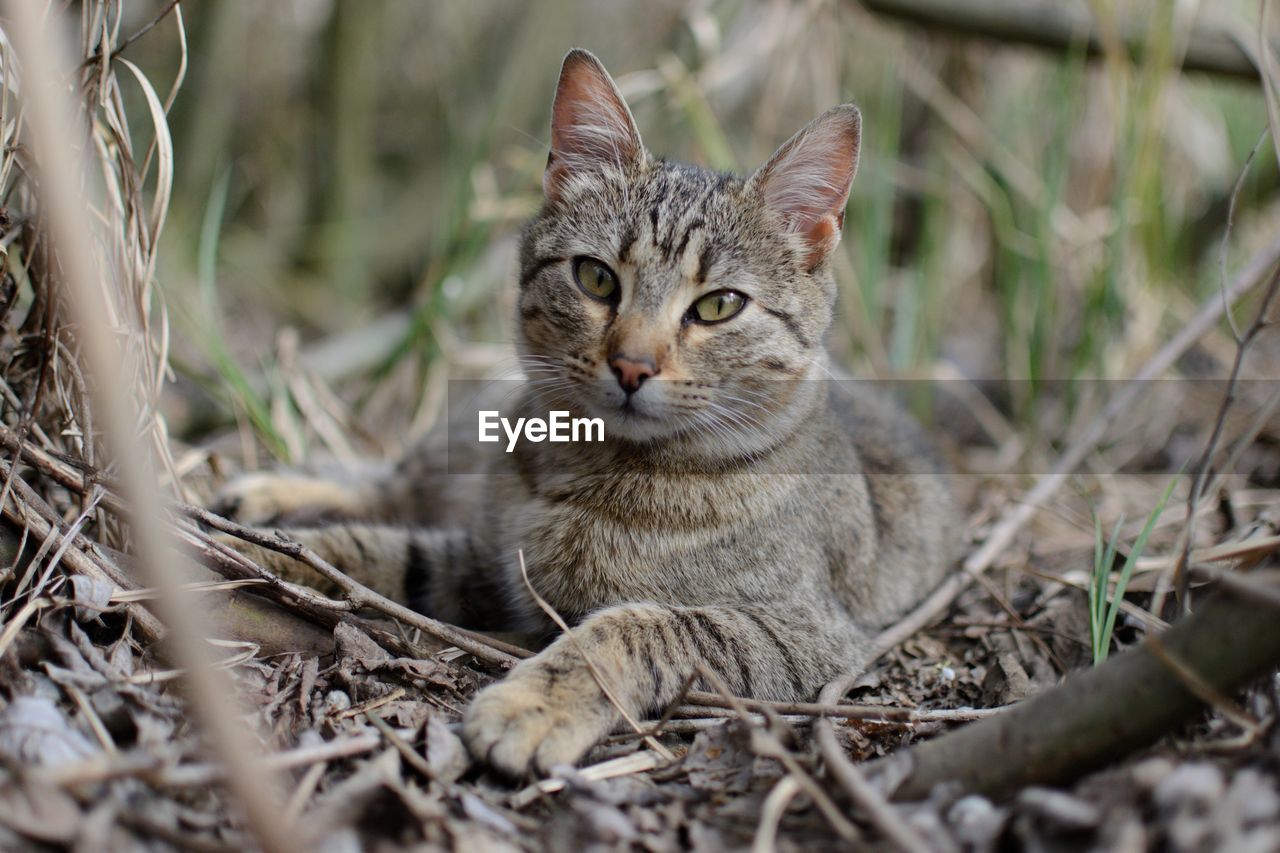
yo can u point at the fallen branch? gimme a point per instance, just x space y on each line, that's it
1102 714
358 595
1064 27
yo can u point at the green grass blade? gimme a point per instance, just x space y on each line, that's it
1130 563
1098 583
1102 639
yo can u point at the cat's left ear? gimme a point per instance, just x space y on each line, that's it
591 126
806 182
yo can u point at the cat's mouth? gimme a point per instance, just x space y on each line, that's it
628 409
633 417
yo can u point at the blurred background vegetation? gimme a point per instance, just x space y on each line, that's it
352 176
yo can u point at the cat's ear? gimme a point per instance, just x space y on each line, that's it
806 182
591 127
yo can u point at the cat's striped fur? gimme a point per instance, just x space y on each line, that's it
741 514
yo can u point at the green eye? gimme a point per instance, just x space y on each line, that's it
595 278
717 307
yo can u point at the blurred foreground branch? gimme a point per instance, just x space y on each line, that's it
1104 713
89 282
1062 27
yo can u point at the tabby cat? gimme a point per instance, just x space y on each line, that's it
741 514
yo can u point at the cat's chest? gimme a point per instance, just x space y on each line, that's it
593 539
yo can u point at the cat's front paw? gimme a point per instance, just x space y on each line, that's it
269 497
519 725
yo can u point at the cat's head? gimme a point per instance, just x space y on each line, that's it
670 300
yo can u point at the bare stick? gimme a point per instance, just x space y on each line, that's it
1205 465
775 806
360 595
871 713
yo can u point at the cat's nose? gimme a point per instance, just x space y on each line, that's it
631 371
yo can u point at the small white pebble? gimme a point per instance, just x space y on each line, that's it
1254 797
336 701
976 821
1151 772
1195 783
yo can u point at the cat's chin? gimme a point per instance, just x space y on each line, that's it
636 426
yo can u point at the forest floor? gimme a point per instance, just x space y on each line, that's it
366 738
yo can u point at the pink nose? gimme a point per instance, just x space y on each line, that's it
632 372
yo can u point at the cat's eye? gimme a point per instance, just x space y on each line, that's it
595 278
718 307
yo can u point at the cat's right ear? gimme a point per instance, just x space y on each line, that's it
591 127
807 180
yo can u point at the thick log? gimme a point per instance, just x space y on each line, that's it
1100 715
1062 27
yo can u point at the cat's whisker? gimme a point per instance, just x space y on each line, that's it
747 402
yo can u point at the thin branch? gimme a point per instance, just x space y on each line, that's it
1205 466
359 595
97 55
870 713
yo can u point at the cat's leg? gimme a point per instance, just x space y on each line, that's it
550 709
300 497
426 487
439 572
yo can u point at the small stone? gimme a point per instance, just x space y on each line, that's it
336 701
976 821
1148 774
1189 783
1062 809
1254 798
